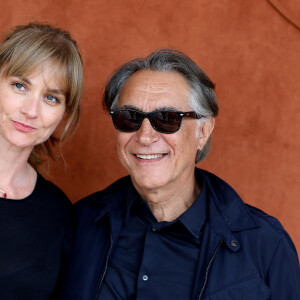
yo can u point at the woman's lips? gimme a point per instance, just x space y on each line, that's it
23 127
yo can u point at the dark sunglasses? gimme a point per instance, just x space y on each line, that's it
129 120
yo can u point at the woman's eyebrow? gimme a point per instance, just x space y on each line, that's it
56 91
50 90
26 80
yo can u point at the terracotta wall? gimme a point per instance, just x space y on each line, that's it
251 50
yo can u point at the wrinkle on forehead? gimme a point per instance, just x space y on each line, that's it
149 86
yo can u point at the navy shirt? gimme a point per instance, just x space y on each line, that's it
155 260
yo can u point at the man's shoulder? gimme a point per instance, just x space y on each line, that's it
273 238
270 227
236 211
265 219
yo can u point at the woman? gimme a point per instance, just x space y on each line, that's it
40 84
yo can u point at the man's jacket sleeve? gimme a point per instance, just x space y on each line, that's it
283 275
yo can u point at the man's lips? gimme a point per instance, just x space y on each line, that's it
149 156
23 127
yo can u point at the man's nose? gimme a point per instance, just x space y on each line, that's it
146 134
30 106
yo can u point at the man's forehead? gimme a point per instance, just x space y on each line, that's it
155 82
157 77
151 90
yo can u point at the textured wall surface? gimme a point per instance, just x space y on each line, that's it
250 49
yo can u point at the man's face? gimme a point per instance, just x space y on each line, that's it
154 159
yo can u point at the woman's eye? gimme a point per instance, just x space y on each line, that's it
19 86
52 99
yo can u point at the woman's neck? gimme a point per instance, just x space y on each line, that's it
17 177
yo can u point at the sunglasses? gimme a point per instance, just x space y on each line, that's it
129 120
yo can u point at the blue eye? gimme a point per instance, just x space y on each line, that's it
19 86
52 99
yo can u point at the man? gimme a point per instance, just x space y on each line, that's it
169 230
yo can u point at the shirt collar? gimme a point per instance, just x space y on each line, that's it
193 218
132 197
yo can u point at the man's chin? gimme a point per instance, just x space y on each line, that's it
148 182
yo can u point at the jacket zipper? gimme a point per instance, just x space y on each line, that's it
208 268
105 269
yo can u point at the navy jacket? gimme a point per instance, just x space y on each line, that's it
246 254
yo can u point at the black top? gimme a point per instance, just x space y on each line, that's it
155 260
35 238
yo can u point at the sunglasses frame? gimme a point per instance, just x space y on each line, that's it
181 114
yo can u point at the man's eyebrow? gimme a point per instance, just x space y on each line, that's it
164 108
130 107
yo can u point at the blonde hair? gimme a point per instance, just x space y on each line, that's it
27 48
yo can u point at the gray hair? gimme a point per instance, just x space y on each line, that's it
202 100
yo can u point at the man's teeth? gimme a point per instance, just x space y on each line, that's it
152 156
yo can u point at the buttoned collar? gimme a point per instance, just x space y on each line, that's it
195 216
226 212
192 219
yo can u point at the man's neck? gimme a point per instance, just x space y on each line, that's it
169 202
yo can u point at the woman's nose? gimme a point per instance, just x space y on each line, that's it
30 106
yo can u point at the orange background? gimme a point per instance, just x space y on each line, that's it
250 49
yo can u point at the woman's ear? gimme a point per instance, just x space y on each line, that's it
204 131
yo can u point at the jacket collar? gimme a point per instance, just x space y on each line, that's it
112 199
226 211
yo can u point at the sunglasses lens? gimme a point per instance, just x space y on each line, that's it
127 120
165 121
131 120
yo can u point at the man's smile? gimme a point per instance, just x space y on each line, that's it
149 156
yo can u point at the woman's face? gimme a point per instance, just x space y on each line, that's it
31 106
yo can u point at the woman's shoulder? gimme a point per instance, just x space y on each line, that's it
49 193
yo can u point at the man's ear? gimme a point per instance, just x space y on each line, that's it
204 131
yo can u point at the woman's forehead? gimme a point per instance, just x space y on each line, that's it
54 75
